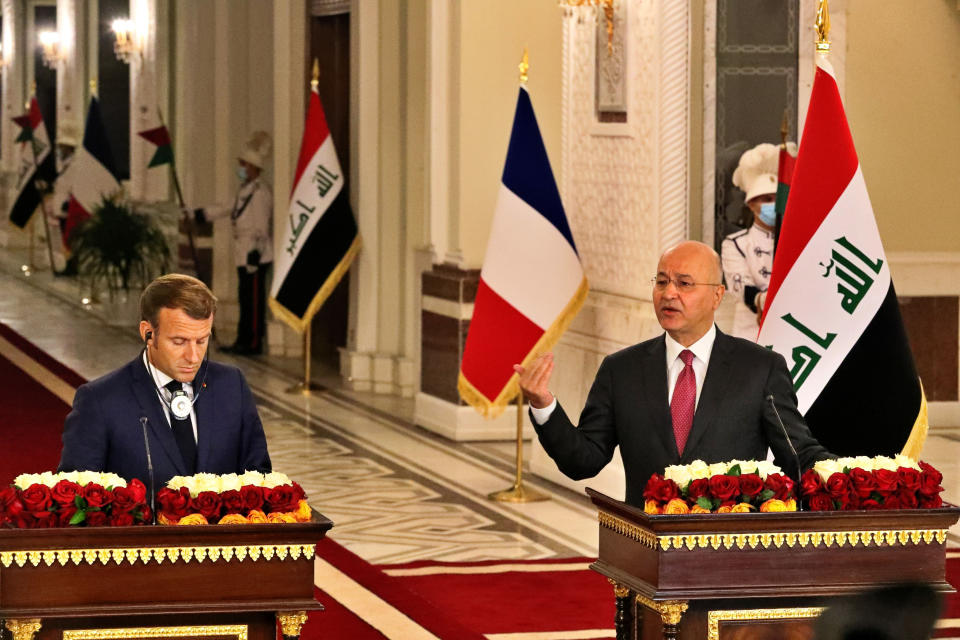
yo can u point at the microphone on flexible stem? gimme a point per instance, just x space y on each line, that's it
146 445
796 458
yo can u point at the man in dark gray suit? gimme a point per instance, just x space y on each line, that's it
692 393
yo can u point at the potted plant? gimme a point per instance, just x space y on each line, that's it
119 249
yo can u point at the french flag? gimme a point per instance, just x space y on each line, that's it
532 283
92 175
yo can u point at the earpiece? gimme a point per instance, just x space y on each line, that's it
147 336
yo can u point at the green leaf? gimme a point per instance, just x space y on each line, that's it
78 517
766 494
705 503
79 502
734 470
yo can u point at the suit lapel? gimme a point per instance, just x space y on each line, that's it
204 409
145 391
656 403
713 392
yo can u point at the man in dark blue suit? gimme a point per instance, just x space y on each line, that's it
198 416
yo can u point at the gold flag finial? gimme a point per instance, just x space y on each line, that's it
315 80
93 86
822 25
784 128
524 66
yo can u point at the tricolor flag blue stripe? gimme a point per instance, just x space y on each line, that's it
532 282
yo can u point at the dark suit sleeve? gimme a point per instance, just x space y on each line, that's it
253 450
84 434
809 450
581 452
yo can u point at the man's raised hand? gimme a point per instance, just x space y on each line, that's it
534 381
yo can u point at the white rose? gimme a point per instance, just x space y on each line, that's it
845 463
766 468
679 474
746 466
176 482
24 480
71 476
275 479
86 477
112 480
827 468
49 479
862 462
205 482
230 482
719 468
883 462
906 461
251 478
699 469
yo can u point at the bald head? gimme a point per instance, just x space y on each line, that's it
698 255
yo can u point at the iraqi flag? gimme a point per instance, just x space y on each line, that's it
322 237
831 308
532 283
92 175
36 169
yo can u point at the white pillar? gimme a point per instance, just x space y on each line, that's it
71 76
149 89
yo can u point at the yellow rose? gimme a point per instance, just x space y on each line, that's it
276 517
162 519
193 518
233 518
791 505
724 509
256 517
773 505
698 509
650 506
743 507
676 506
303 513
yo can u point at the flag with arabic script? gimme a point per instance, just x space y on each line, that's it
831 308
321 238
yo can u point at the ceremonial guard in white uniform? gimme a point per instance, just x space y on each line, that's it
251 214
748 254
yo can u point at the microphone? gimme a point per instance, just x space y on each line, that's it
153 494
796 458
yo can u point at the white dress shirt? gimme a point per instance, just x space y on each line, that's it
701 350
160 379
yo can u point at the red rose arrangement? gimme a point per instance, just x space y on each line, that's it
729 487
871 484
250 498
74 499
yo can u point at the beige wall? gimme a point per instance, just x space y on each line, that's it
491 40
903 104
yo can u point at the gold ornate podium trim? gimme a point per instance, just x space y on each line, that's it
159 555
671 611
238 631
767 540
714 618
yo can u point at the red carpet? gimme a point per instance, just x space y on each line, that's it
31 417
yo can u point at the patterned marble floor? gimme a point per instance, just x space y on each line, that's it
395 492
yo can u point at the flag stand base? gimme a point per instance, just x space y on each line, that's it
518 493
305 389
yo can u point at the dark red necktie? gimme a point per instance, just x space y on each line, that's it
683 403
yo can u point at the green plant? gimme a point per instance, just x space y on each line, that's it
119 248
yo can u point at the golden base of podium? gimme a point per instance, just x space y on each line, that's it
518 493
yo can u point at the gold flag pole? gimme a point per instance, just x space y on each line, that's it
519 493
307 387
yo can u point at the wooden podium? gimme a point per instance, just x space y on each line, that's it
757 575
220 582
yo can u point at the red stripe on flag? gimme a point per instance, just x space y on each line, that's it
499 337
158 136
825 165
315 132
36 118
75 215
